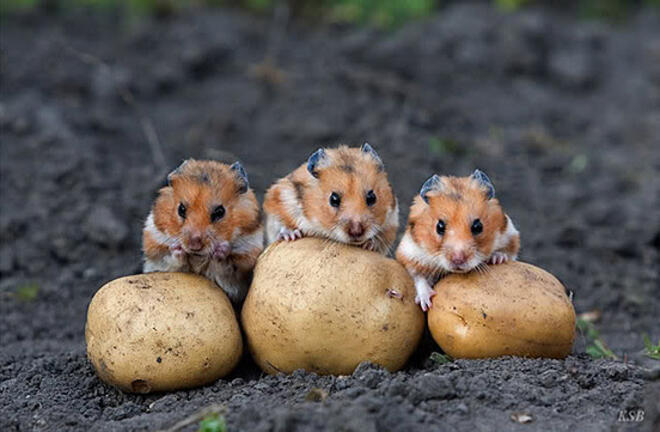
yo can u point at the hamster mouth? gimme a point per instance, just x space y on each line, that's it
358 242
460 270
466 268
201 252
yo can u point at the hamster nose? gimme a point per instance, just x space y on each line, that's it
195 242
458 258
355 229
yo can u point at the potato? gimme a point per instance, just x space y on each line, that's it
162 331
325 307
512 309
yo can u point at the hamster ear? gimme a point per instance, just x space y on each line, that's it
366 148
315 162
433 183
484 181
176 171
241 176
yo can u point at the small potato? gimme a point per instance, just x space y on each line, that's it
162 331
512 309
325 307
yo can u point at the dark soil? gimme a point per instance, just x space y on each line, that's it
563 115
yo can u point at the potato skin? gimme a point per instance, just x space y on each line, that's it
513 309
162 331
324 307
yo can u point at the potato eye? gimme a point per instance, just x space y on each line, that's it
217 213
477 227
335 199
440 227
371 198
182 210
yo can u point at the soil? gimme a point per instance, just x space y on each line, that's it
564 115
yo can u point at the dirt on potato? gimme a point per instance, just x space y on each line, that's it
564 116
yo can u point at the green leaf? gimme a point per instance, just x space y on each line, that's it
213 423
27 292
510 5
444 146
597 349
652 351
440 358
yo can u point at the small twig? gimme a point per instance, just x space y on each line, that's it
154 144
126 95
196 417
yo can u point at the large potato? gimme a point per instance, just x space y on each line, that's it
162 331
512 309
325 307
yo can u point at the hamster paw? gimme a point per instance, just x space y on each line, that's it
424 300
177 252
221 251
498 258
369 245
289 235
424 293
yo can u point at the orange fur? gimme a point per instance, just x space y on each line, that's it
301 200
152 248
242 210
201 186
458 203
417 268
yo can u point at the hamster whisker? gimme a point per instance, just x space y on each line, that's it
388 248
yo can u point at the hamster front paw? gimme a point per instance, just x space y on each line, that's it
289 235
424 293
498 258
176 249
221 251
424 300
369 245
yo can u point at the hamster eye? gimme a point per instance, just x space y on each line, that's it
217 213
335 199
181 210
371 198
440 227
477 227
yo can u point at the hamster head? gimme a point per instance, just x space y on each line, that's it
348 197
456 220
209 200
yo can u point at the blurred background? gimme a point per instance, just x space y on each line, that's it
558 101
380 13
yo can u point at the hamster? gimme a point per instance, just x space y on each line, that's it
455 225
206 221
340 194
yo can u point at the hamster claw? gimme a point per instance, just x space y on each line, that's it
424 300
369 245
498 258
177 252
289 235
221 250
